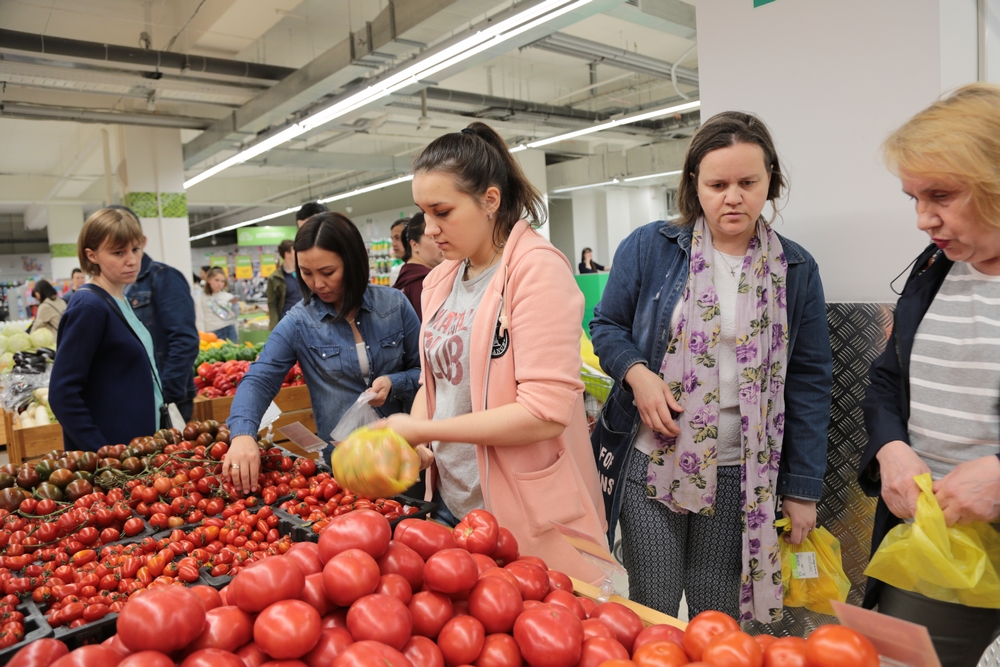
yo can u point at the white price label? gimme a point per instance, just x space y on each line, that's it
270 415
804 565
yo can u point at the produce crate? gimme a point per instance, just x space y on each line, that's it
289 399
35 628
27 444
303 530
648 616
94 632
4 427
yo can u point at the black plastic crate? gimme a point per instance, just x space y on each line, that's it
303 529
94 632
35 628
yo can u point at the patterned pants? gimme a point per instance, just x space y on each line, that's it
667 554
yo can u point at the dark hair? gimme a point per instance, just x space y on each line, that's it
478 158
195 278
44 290
720 131
74 272
414 232
335 232
309 209
284 248
397 223
206 268
583 255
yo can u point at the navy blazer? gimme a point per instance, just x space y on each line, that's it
101 389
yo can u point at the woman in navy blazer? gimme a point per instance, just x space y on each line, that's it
103 389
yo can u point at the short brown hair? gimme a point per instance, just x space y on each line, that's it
956 138
212 272
284 248
113 227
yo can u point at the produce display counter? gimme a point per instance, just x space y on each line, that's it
28 444
648 616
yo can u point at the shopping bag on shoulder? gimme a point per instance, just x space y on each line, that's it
959 564
375 463
812 573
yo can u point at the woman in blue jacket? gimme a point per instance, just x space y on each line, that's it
714 330
347 335
105 388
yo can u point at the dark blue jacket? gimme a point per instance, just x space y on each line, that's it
632 325
887 399
101 389
161 299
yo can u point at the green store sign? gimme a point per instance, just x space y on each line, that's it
251 236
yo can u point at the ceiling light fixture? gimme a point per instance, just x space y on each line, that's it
584 187
518 149
664 175
431 64
646 115
269 216
369 188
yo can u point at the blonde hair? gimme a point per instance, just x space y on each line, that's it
214 271
957 138
112 226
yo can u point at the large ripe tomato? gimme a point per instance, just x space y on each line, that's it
40 652
371 654
332 643
834 645
477 532
451 571
624 622
287 629
425 537
335 619
252 655
559 580
568 600
733 649
89 656
210 597
396 586
484 563
402 560
499 651
703 628
315 594
786 652
660 654
506 551
549 636
594 628
600 649
423 652
228 628
265 582
212 657
164 618
306 554
533 579
430 611
361 529
496 604
506 575
461 640
147 659
350 575
380 618
658 633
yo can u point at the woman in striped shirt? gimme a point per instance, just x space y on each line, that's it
934 400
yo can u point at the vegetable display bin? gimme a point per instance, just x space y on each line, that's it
294 403
592 285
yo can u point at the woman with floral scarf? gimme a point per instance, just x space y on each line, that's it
714 329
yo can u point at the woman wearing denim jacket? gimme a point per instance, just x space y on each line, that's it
714 330
347 335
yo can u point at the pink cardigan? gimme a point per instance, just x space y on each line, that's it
533 304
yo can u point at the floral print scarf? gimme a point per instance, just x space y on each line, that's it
682 470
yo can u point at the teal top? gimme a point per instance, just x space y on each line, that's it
147 342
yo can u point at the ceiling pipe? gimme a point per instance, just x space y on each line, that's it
75 48
42 112
591 51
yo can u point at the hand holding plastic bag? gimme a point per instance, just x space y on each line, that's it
358 415
377 463
812 573
958 564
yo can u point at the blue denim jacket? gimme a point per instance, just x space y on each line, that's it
161 299
631 326
326 352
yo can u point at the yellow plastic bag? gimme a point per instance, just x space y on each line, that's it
812 573
375 463
957 564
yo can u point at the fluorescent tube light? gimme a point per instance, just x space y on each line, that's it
518 149
269 216
368 188
664 174
584 187
646 115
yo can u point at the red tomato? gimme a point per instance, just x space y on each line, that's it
430 611
594 628
533 579
484 563
371 654
424 537
534 560
764 640
830 645
588 606
477 532
396 586
499 651
506 575
366 530
381 618
332 643
461 640
559 580
786 652
506 551
286 629
147 659
314 594
89 656
658 633
660 654
568 600
348 576
733 649
228 629
549 636
624 622
306 554
252 656
496 604
703 628
164 618
402 560
597 650
212 657
210 597
423 652
451 571
40 652
335 619
265 582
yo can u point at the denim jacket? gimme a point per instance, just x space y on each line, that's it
161 299
325 350
631 326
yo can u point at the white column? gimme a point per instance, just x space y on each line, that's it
533 165
63 223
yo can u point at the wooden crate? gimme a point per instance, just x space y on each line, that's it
29 444
648 616
289 399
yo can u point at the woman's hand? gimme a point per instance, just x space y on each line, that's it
899 464
970 492
426 456
410 428
803 516
381 386
242 463
654 400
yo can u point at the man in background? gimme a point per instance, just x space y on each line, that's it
398 248
76 280
283 290
308 210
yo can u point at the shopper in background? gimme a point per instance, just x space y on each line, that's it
283 285
50 307
587 263
215 310
76 280
422 255
504 293
347 334
105 388
308 210
714 329
932 402
398 249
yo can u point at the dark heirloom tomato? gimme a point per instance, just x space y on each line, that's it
461 640
424 537
477 532
430 611
381 618
366 530
496 603
164 618
549 636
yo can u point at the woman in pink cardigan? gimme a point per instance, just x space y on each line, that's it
501 406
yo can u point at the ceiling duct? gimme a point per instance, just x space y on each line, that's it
44 112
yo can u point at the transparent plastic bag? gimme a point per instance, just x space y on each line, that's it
959 564
376 463
358 415
812 573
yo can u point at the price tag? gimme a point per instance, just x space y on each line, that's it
804 565
270 415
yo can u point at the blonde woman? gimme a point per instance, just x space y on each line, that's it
215 311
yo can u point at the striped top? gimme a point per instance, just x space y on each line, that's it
955 372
